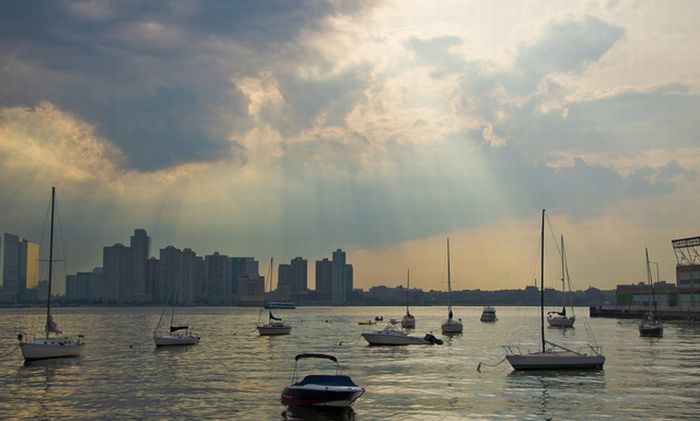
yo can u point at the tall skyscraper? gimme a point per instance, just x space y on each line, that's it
299 275
118 272
284 276
152 278
242 266
193 285
170 275
324 286
20 267
217 279
141 251
339 289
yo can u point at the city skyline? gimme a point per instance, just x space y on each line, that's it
378 128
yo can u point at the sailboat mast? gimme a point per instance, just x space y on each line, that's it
408 285
449 282
652 301
48 300
542 282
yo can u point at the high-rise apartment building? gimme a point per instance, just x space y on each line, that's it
169 275
299 275
20 268
324 286
193 278
217 279
247 266
141 251
118 272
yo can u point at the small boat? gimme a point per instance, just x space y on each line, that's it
559 318
488 314
379 319
336 390
552 356
450 326
176 339
408 321
391 335
367 323
274 326
279 305
48 346
650 326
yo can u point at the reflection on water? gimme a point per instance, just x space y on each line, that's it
236 374
294 413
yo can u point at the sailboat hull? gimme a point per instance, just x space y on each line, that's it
44 349
452 327
408 322
555 361
651 329
274 329
175 340
392 338
560 321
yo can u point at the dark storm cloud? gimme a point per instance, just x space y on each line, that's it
153 77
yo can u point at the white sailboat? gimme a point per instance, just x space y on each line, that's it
408 321
450 326
650 326
552 356
274 326
559 318
49 346
177 335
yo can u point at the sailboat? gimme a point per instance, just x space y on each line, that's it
408 321
178 335
650 326
50 346
450 326
554 357
559 318
274 325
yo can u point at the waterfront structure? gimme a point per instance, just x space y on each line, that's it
141 250
242 266
687 252
118 272
85 286
20 268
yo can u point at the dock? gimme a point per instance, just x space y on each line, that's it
630 312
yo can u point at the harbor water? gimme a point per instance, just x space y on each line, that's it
236 374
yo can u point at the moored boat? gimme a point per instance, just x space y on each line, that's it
450 326
488 314
323 390
391 335
409 320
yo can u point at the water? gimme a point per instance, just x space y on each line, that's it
236 374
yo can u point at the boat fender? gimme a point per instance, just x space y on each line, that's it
19 337
432 339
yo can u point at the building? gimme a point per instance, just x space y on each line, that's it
96 285
118 272
242 265
152 278
141 250
193 278
251 289
324 285
169 275
217 279
299 275
20 268
341 278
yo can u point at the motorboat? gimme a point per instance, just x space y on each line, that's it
552 356
391 335
322 390
409 320
450 326
367 323
559 318
488 314
173 338
650 326
50 346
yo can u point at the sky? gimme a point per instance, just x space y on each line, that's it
282 129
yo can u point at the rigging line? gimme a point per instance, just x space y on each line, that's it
10 351
478 367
